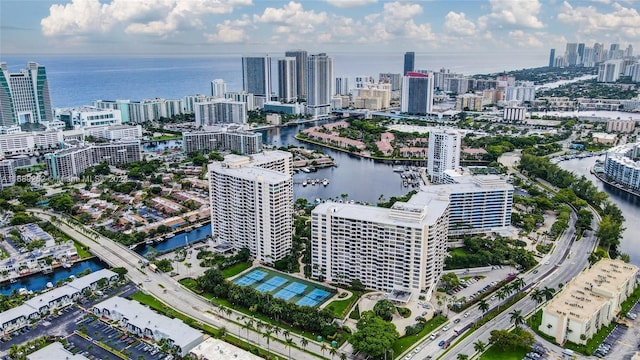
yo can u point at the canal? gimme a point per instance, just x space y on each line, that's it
628 204
39 281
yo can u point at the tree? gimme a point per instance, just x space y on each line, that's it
537 295
61 202
267 335
516 318
323 348
449 280
483 305
518 283
384 309
479 346
304 342
289 343
548 292
332 352
462 357
374 335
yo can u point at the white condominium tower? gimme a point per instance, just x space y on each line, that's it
444 153
287 80
319 84
252 203
24 96
218 88
417 93
301 71
402 248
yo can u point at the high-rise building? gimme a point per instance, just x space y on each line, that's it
610 70
402 248
409 62
417 93
287 79
319 83
256 75
394 79
598 52
228 138
252 203
629 51
342 86
444 153
220 111
580 53
571 54
24 96
7 174
218 88
301 71
552 57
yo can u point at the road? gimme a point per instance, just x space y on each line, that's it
173 293
565 262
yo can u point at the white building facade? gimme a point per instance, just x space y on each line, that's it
444 153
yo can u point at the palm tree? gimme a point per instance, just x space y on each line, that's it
462 357
323 348
267 335
483 305
248 324
333 351
304 342
343 356
479 346
288 343
222 332
516 318
518 283
502 294
548 292
286 333
537 295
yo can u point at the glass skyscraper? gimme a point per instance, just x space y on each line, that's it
256 75
409 62
24 96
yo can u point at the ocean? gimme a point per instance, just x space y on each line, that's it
76 80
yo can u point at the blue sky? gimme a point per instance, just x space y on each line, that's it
171 27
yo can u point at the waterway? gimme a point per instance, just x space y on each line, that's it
361 180
39 281
177 241
629 204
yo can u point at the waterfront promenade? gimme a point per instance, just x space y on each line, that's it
173 294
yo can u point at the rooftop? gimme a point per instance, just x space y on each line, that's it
54 351
213 348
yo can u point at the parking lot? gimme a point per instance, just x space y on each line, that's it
623 341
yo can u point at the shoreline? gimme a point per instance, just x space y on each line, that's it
615 185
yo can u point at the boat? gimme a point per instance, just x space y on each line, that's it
168 236
13 281
149 242
49 285
66 265
133 247
198 226
304 169
325 182
304 182
398 169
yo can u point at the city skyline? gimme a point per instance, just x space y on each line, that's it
246 26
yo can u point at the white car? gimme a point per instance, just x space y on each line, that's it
445 328
466 314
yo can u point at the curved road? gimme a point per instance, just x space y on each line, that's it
173 293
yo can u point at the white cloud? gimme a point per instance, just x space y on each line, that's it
290 14
399 10
457 23
153 17
229 32
517 13
350 3
523 39
621 21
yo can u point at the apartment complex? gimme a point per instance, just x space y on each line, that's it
115 132
144 322
68 164
230 138
143 111
469 102
621 125
252 203
402 248
256 75
88 116
444 153
319 85
622 165
417 93
7 173
301 71
24 96
220 111
287 79
477 204
589 301
28 142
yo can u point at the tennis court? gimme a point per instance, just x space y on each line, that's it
285 287
250 278
313 298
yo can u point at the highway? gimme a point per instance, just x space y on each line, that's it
173 293
565 262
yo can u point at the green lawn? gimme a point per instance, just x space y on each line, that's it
235 269
340 307
493 353
82 252
406 342
167 137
